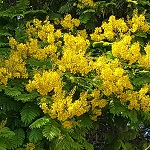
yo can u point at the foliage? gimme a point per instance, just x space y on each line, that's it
82 71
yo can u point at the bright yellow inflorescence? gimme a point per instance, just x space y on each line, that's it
118 27
85 3
82 33
113 76
74 58
137 99
30 146
109 30
138 23
97 104
48 34
13 67
45 83
126 50
145 59
64 108
69 23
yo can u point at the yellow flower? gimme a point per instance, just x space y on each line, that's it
57 33
69 23
82 33
87 3
137 99
73 57
67 124
12 42
45 83
30 146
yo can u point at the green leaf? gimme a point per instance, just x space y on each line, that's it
17 139
129 146
53 16
27 97
141 80
3 145
116 144
133 116
40 122
85 121
5 132
89 10
88 146
141 34
2 44
29 112
1 88
32 12
5 34
11 91
90 25
47 64
35 135
64 9
84 18
124 146
50 132
9 104
117 108
145 116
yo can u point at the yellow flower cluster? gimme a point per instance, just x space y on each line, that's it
97 104
4 75
85 3
30 146
67 124
35 51
48 34
20 48
13 67
82 33
69 23
145 59
114 27
109 30
65 108
118 27
3 123
137 99
45 83
126 50
97 35
12 43
113 76
16 66
138 23
73 57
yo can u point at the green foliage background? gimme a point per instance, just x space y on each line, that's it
116 129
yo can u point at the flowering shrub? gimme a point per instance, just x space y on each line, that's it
60 82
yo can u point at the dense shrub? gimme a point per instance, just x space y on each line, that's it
78 79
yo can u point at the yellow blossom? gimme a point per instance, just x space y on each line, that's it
89 3
45 83
69 23
12 42
30 146
67 124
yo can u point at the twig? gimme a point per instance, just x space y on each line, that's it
147 147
